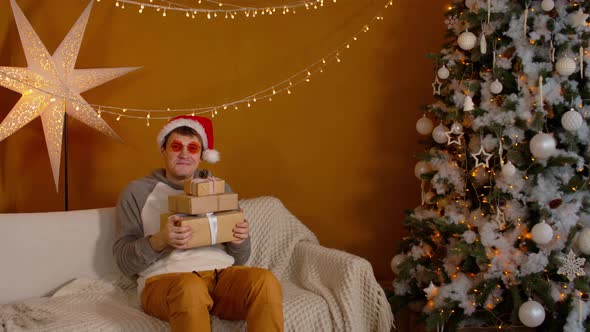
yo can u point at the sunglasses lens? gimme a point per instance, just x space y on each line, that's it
194 148
176 147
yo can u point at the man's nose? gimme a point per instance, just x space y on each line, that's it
184 151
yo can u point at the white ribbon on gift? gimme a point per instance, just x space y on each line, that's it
212 227
213 180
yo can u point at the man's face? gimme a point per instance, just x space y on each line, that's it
181 155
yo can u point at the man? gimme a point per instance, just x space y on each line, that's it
183 286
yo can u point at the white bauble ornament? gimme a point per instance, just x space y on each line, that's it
496 87
468 104
467 40
421 167
509 170
531 313
565 66
439 134
457 128
483 45
571 120
396 261
542 233
542 145
443 72
547 5
424 126
584 241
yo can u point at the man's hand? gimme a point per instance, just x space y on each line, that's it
241 231
173 235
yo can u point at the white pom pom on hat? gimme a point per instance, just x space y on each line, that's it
203 126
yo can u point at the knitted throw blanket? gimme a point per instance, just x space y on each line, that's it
284 245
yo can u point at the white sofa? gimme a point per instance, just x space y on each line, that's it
58 274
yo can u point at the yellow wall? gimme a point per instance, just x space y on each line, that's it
338 151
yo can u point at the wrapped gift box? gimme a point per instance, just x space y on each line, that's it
202 204
204 187
211 229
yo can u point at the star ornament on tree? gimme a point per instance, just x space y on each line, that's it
578 19
431 291
454 136
436 85
477 156
50 86
572 266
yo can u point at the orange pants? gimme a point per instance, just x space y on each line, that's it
234 293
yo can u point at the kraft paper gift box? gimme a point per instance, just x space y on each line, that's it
202 204
204 187
211 229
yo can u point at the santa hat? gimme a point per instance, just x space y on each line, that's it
203 126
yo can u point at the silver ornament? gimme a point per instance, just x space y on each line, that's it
542 145
421 168
467 40
547 5
496 87
443 72
508 170
571 120
396 261
542 233
424 126
456 127
565 66
483 45
531 313
439 133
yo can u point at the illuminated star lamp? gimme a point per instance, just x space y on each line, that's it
50 86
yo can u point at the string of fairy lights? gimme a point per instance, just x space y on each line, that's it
213 9
284 86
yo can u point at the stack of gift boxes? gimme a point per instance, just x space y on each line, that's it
207 209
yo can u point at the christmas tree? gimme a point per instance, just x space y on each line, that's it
502 235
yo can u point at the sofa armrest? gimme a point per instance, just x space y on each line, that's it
357 302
